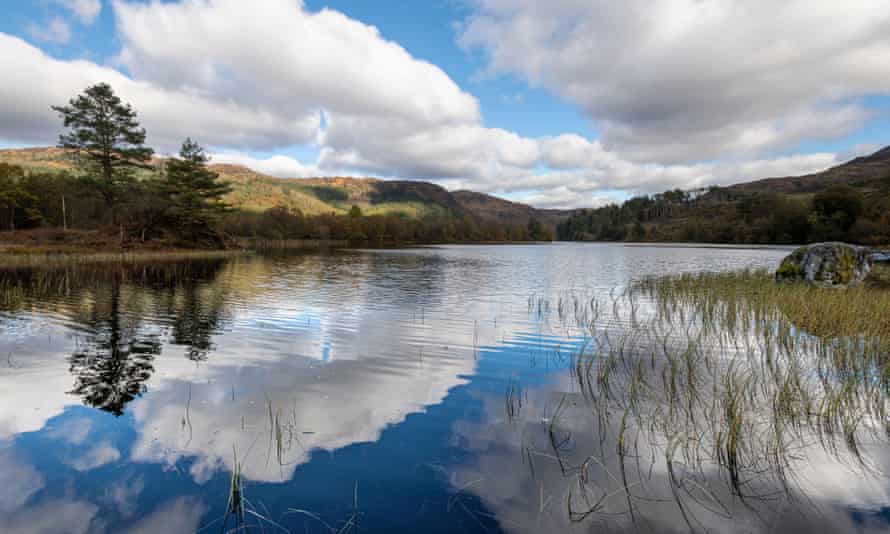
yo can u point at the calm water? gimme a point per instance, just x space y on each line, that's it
426 390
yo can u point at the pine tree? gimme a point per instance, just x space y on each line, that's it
106 139
195 195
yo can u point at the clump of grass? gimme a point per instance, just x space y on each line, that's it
727 297
736 372
235 505
514 399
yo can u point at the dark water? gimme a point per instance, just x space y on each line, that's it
425 390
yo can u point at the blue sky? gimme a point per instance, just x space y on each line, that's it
560 104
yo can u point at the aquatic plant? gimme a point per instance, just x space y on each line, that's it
727 373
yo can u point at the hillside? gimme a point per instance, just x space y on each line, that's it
258 192
501 211
848 202
865 172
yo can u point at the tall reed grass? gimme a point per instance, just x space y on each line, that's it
735 374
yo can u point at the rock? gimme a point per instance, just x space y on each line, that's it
828 264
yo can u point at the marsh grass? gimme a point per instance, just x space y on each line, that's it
730 373
25 259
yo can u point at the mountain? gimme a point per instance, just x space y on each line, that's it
865 172
254 191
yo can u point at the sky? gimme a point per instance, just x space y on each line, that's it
560 104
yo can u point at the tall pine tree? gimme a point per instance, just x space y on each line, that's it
106 139
195 195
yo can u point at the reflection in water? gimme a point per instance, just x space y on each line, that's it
115 360
691 410
423 390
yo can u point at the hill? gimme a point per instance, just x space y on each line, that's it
254 191
498 210
865 172
848 202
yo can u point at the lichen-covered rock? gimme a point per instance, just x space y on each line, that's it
827 264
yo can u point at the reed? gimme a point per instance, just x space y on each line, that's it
36 259
733 372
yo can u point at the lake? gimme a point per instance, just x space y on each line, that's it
435 389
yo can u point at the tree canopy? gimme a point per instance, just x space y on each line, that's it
105 137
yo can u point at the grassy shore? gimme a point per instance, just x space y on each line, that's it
735 374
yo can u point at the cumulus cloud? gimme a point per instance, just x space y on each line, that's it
18 481
304 60
100 454
181 515
169 115
281 166
564 197
385 111
584 165
86 11
243 78
55 30
690 80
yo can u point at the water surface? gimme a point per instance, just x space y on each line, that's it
415 390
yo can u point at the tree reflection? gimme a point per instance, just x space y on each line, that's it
117 359
196 310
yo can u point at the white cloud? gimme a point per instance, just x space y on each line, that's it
244 78
563 197
281 166
169 115
385 111
100 454
691 80
55 30
18 481
74 431
276 54
62 516
584 166
181 515
86 11
451 151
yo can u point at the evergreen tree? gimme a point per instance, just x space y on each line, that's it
356 224
194 193
106 139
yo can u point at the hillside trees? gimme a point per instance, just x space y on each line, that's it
837 209
194 194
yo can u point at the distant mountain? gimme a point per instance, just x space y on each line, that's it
255 191
864 172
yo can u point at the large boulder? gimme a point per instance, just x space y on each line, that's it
828 264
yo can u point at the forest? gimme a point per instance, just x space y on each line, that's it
117 189
839 212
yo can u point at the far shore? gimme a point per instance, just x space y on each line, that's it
54 246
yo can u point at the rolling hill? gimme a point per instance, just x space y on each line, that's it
865 172
254 191
847 202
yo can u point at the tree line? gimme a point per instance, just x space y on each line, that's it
722 215
119 188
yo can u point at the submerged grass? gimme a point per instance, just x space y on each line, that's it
735 373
